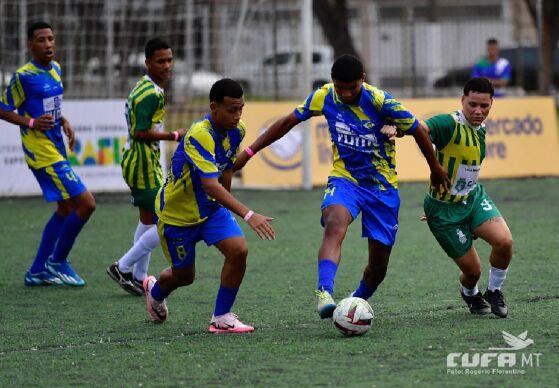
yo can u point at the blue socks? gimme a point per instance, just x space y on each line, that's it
326 275
48 241
224 300
364 291
157 293
70 230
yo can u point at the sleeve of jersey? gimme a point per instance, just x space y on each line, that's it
441 128
13 96
312 106
475 71
199 149
507 72
146 105
398 115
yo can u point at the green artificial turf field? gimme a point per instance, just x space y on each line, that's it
100 335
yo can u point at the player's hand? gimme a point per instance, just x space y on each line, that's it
390 131
242 159
43 123
439 180
69 132
181 132
423 217
260 224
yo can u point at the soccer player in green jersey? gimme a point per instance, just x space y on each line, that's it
36 92
195 204
466 211
145 110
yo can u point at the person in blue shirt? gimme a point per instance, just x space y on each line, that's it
363 177
496 70
35 91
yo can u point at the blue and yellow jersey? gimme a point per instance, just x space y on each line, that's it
203 153
362 153
460 150
145 110
35 90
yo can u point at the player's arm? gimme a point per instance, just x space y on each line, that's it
152 134
439 177
146 130
226 178
43 123
276 131
407 123
258 222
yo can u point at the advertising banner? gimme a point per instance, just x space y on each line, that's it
100 129
521 142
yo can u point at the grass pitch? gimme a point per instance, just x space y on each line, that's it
101 335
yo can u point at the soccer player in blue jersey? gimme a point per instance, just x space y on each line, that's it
497 70
35 90
195 204
363 177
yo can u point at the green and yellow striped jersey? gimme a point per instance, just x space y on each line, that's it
460 150
145 109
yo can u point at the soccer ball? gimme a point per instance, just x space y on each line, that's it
353 316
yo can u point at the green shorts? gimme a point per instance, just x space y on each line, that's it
452 223
144 198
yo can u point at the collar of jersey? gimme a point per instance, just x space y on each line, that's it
212 125
158 88
465 120
337 100
41 67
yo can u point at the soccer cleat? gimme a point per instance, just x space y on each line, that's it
228 323
43 278
158 310
125 280
66 273
326 304
497 302
476 304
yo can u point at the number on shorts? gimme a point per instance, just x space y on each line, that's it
329 191
71 176
181 252
485 205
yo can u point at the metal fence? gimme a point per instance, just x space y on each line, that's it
412 48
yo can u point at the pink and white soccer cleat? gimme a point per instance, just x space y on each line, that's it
228 323
158 310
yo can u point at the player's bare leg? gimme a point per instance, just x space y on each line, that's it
497 233
470 266
375 271
336 219
235 251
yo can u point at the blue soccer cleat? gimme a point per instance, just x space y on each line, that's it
43 278
66 273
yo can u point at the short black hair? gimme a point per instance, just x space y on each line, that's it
492 41
38 25
347 68
153 45
478 85
225 87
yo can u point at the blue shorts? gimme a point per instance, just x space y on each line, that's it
179 242
58 181
379 207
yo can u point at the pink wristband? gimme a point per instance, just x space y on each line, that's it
31 122
175 135
248 215
249 151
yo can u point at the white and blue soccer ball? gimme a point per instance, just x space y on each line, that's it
353 316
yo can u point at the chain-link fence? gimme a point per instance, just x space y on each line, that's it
412 48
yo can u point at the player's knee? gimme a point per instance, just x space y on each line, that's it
505 243
473 272
335 229
89 204
238 257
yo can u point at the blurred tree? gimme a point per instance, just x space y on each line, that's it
333 18
550 36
